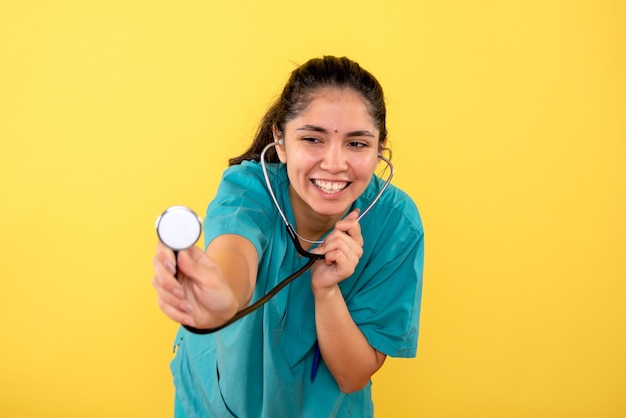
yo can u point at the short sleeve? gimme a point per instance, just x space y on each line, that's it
241 206
385 299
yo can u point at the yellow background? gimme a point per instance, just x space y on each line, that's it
507 123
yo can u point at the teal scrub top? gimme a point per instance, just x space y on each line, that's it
261 365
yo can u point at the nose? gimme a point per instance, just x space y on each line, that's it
334 159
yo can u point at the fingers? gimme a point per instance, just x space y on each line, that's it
175 310
164 264
194 263
165 256
206 288
346 236
350 225
343 247
170 294
354 214
344 255
195 254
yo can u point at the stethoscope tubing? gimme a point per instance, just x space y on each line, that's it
256 305
312 258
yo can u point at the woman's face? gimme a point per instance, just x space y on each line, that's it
331 150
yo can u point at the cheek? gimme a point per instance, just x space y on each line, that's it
300 162
294 172
367 166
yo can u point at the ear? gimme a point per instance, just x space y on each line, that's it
280 148
383 145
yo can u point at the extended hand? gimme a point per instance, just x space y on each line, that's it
200 297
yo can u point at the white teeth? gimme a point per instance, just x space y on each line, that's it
329 186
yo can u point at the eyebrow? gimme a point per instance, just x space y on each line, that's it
316 128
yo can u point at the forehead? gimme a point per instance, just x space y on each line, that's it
336 104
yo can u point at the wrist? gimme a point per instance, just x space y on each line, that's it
322 293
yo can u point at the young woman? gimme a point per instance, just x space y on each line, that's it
312 349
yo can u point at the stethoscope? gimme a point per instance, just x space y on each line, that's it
179 228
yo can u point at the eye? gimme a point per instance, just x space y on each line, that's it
310 139
358 144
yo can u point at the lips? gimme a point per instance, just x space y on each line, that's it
330 187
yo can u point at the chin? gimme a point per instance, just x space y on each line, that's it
331 212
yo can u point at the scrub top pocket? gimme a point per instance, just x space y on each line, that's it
194 376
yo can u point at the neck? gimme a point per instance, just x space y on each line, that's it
310 226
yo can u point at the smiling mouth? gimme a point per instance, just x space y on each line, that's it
330 187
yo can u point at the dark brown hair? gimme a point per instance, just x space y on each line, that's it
316 74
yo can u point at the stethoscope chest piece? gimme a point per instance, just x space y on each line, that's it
179 228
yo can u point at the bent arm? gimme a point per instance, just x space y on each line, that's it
346 352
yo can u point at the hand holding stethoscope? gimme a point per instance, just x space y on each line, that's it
342 249
201 287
